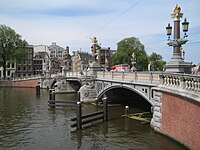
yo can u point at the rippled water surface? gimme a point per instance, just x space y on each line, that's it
27 123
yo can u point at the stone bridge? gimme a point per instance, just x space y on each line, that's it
94 87
141 83
175 99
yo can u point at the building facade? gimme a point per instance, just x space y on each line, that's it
41 48
80 60
101 55
10 70
56 51
104 58
24 68
41 63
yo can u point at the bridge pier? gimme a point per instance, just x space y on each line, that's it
88 93
156 120
63 86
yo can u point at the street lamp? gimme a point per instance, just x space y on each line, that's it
133 61
185 26
177 64
169 31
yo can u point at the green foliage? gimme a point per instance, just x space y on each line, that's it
20 52
157 64
11 46
125 49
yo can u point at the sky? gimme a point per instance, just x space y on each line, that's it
73 22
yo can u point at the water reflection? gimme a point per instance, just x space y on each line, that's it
28 123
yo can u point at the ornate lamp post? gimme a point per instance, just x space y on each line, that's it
177 64
93 65
133 62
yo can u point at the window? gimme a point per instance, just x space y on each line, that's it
19 68
8 65
30 50
29 62
8 73
29 56
13 65
24 68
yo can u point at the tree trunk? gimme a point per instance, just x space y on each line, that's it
4 69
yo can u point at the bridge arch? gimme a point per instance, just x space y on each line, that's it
63 84
139 93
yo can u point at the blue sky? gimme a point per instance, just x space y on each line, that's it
72 23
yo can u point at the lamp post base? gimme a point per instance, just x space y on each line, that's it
178 67
93 68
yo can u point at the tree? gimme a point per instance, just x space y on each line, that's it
125 49
157 64
12 47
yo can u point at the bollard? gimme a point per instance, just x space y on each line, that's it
78 96
79 114
105 108
37 89
96 102
126 111
52 98
50 94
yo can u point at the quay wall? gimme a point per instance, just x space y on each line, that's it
176 114
181 120
29 83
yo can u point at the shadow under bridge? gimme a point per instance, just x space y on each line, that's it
125 95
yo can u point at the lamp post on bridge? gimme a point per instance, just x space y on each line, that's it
177 64
133 62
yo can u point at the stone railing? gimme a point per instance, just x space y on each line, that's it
181 82
27 78
74 74
140 77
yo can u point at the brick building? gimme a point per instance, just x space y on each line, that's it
25 67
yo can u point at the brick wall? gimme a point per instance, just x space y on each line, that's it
181 119
26 83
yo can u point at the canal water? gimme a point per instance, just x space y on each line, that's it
27 123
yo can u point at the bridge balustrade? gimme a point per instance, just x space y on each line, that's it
182 82
74 74
27 77
140 77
